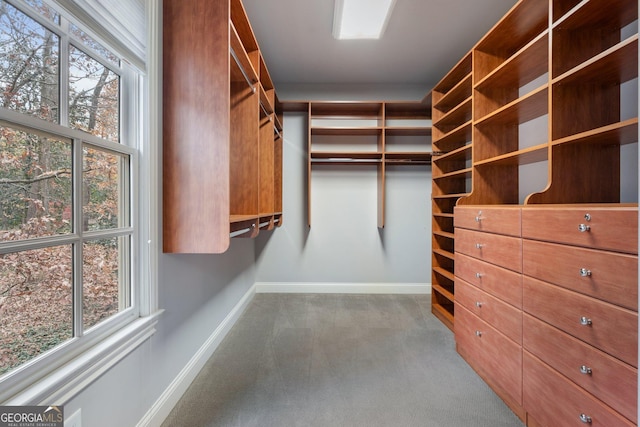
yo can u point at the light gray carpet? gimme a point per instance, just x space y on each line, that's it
339 360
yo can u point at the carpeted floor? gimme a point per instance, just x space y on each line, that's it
339 360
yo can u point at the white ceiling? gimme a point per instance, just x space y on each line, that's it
423 40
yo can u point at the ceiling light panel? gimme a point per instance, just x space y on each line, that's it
361 19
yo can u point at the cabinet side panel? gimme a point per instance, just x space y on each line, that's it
195 126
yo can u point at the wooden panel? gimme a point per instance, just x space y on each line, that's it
266 168
195 152
555 401
502 316
612 277
504 251
501 220
612 329
244 178
614 229
607 378
490 352
497 281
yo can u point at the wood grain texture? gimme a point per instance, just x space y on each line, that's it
613 229
613 277
492 352
613 329
504 251
610 380
555 401
195 126
502 316
497 281
490 219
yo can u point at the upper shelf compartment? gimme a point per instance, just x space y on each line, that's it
523 23
588 30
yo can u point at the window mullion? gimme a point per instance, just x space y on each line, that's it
64 72
78 229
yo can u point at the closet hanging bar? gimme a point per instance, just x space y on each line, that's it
242 70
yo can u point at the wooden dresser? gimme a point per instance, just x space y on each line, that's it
546 309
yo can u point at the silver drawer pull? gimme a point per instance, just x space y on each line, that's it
585 418
585 321
478 275
587 217
479 216
478 304
478 333
584 227
479 245
585 370
584 272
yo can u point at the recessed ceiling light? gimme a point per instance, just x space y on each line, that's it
361 19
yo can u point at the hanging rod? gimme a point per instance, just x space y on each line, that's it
242 70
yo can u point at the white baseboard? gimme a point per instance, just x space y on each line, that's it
342 288
156 415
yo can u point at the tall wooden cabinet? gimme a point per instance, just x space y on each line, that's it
536 270
222 129
535 113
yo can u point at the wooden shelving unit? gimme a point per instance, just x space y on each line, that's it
378 133
451 173
222 167
563 72
543 91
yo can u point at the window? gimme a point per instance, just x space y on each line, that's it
67 234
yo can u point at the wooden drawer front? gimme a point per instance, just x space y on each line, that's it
504 251
608 228
607 378
490 219
502 316
612 329
497 281
609 276
491 353
553 400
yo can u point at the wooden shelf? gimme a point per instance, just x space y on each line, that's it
456 96
444 253
521 110
388 134
461 173
444 234
525 156
455 138
449 275
457 154
451 120
614 134
336 130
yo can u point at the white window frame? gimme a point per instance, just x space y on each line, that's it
56 376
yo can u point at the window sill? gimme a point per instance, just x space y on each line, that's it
64 383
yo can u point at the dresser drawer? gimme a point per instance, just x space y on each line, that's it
502 316
602 228
553 400
493 355
608 327
504 251
501 220
607 378
497 281
609 276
